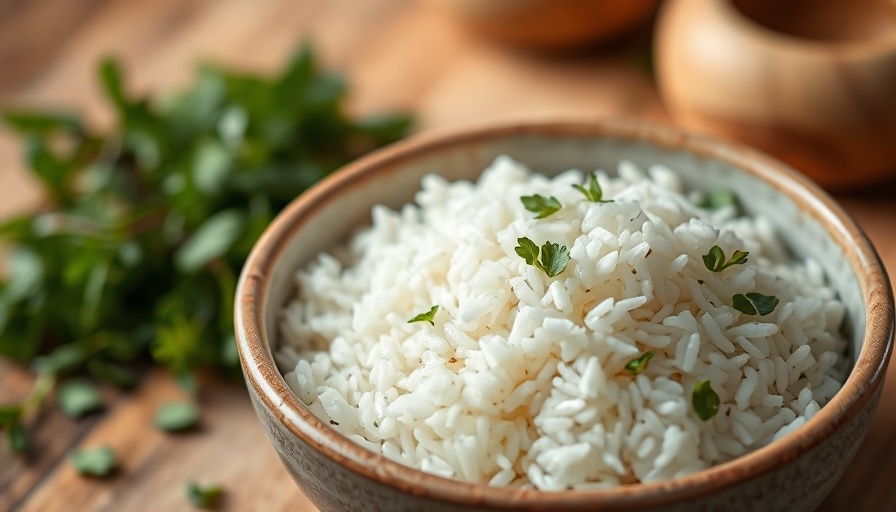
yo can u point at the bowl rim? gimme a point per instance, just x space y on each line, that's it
274 394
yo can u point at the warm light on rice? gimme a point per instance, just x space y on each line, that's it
522 379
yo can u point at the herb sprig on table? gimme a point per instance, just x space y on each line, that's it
136 252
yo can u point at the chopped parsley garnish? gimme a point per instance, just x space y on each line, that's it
717 198
705 400
540 205
754 303
208 496
715 259
100 461
552 259
593 193
638 364
428 316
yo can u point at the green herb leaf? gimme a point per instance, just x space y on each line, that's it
593 193
428 316
17 437
554 258
738 258
78 397
754 303
211 167
99 462
540 205
705 400
42 123
717 198
638 364
211 240
114 374
177 416
208 497
9 414
64 358
26 273
527 250
111 78
715 259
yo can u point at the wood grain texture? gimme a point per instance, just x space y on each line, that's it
397 54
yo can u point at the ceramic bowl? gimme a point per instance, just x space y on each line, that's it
813 82
794 473
550 24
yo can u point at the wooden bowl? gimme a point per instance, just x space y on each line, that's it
550 24
813 82
793 473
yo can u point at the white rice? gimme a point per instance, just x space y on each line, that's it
521 380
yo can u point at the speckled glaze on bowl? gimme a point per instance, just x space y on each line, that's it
794 473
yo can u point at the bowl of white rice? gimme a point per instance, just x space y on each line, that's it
565 316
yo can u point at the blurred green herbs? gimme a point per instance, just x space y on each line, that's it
136 254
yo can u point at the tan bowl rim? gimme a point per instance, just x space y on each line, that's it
823 48
266 381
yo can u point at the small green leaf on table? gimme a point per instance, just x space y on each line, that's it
79 397
177 416
99 462
207 497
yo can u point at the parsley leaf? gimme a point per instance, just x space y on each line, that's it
715 259
593 193
754 303
78 397
553 257
542 206
705 400
100 461
208 497
638 364
527 250
177 416
428 316
717 198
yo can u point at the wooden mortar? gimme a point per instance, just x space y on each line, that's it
812 82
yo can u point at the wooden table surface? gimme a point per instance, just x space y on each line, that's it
397 54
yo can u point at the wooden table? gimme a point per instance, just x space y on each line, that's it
397 54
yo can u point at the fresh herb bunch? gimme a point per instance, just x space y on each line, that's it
136 253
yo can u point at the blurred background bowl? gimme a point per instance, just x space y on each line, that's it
813 82
551 24
793 473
